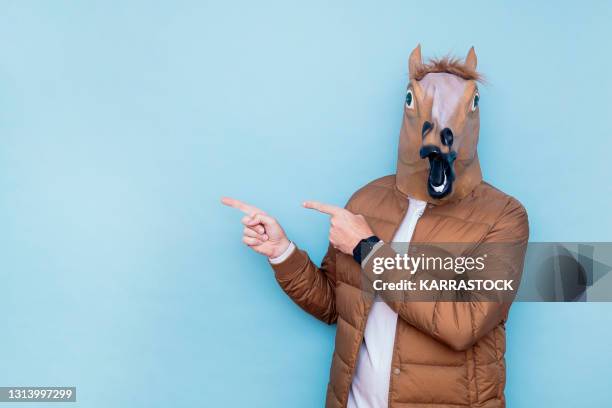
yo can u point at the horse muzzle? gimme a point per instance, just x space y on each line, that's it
441 170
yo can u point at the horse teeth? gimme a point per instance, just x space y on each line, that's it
440 188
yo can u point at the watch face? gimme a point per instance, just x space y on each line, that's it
373 239
364 247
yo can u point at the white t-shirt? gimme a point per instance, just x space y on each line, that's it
370 387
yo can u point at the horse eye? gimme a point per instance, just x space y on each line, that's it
475 101
409 99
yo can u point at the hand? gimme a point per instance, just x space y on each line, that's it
261 233
346 229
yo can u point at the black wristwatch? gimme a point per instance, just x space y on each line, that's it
364 247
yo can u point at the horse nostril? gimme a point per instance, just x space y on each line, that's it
447 137
427 126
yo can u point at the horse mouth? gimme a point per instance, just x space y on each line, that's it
441 172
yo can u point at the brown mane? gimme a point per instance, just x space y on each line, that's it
447 65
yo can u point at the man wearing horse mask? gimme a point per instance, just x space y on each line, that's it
409 354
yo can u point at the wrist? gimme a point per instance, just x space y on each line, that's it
280 248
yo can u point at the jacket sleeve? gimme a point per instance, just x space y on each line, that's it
311 287
461 324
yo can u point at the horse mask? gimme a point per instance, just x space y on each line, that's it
437 156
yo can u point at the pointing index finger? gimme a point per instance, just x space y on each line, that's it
324 208
239 205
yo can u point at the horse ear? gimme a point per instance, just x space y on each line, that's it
471 61
415 62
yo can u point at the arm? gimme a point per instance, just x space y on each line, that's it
460 324
310 287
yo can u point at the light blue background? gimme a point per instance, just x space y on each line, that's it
122 123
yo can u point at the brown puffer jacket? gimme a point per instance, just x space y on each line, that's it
445 354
